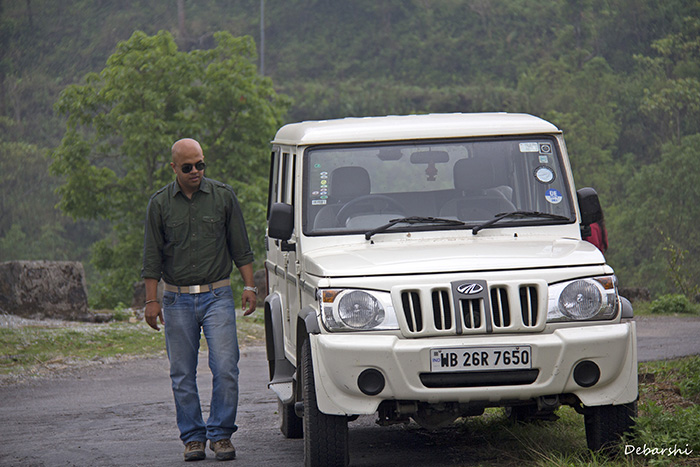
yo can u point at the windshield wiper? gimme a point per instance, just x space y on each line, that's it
503 215
412 220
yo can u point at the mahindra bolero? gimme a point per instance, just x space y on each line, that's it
428 267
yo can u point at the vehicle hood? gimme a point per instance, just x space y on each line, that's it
407 257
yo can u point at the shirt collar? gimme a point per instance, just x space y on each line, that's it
204 186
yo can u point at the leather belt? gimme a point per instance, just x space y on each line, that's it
193 289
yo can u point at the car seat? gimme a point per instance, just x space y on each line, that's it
479 199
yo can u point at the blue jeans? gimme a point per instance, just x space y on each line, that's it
215 314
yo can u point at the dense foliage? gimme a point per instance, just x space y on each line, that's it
123 121
620 77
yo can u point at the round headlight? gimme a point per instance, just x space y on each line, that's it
580 300
360 310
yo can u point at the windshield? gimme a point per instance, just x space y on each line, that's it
359 188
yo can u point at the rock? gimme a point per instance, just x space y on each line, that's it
260 278
44 289
139 299
634 294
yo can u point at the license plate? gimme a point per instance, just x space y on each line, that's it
481 358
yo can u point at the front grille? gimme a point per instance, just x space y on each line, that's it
412 310
528 305
471 313
445 311
442 312
500 309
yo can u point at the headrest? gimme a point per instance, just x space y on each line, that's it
474 174
349 182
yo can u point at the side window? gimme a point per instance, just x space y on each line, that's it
273 187
287 178
284 178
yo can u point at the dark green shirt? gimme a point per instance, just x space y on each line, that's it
193 241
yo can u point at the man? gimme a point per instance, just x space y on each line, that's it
194 231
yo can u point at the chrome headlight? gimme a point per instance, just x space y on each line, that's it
357 310
583 299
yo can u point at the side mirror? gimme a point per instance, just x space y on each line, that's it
589 204
281 222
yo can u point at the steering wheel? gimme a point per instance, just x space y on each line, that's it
371 204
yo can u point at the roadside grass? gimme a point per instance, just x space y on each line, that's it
541 443
25 347
667 305
36 348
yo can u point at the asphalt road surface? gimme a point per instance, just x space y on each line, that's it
122 414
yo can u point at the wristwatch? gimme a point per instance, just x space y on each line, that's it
252 289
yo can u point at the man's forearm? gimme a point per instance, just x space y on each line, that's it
151 289
247 273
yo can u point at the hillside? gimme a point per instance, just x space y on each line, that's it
621 78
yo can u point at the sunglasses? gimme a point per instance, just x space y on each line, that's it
187 168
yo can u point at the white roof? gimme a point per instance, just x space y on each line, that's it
411 127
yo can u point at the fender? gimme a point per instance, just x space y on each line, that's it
308 315
307 323
281 370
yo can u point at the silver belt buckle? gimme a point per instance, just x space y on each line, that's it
195 289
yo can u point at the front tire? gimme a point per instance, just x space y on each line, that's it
606 424
325 436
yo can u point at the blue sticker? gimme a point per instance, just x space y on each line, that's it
553 196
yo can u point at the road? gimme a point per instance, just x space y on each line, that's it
666 338
122 414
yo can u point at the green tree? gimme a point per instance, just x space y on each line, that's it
122 122
672 100
661 224
30 226
582 101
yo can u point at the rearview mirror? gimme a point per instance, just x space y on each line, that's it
281 222
430 157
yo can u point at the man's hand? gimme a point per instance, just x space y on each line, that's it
250 301
153 313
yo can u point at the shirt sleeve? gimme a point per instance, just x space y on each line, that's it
153 243
237 235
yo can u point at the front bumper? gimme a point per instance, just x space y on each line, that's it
340 358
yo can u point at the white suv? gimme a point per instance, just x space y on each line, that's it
431 266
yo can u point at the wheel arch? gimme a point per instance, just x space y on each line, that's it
280 369
307 323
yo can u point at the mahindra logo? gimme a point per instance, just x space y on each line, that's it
470 289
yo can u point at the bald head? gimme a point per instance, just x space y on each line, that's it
188 153
185 147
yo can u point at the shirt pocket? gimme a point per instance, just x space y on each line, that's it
212 227
175 231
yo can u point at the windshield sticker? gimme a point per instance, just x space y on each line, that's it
318 202
545 148
544 159
544 174
553 196
529 147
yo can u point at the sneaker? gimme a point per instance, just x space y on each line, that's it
195 451
224 449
